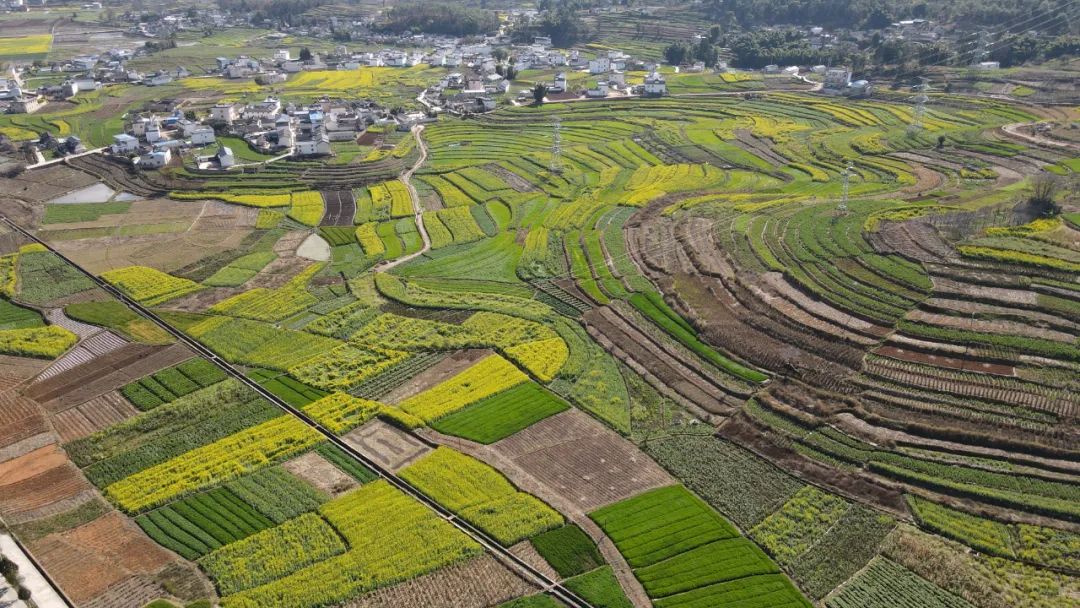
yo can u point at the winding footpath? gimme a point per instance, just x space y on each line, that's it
418 209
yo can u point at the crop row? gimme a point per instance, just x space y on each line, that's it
223 460
169 384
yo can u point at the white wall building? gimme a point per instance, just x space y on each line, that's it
203 136
124 144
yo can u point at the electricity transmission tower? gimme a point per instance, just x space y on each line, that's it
556 148
841 209
918 111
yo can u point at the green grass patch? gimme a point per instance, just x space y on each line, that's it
501 415
82 212
600 588
569 550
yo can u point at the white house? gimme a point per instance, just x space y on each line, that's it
859 88
159 79
317 145
225 157
836 80
989 65
153 132
282 55
617 79
124 144
202 136
155 160
559 85
599 65
655 85
600 90
224 112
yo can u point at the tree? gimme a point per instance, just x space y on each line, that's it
1044 187
8 568
305 54
24 594
511 73
539 91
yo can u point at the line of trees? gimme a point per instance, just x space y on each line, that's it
437 18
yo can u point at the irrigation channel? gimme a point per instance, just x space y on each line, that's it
490 544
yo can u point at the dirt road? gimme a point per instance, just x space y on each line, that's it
418 209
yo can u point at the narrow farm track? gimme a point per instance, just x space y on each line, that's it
528 572
418 209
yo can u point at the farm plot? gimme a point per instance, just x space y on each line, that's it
480 495
885 583
477 583
685 554
168 431
172 383
201 523
340 208
88 559
501 415
580 458
243 452
255 343
149 286
240 270
391 538
45 278
39 483
488 377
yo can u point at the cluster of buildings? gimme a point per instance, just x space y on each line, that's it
268 126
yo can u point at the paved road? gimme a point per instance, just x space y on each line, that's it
41 592
504 555
57 161
418 210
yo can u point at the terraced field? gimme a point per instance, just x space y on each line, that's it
675 372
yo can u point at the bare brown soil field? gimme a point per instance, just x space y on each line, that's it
942 361
44 184
31 464
340 208
670 374
321 473
581 459
87 560
92 416
389 446
30 498
445 369
104 374
526 552
19 430
167 235
129 592
477 583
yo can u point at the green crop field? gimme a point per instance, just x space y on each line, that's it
673 541
501 415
